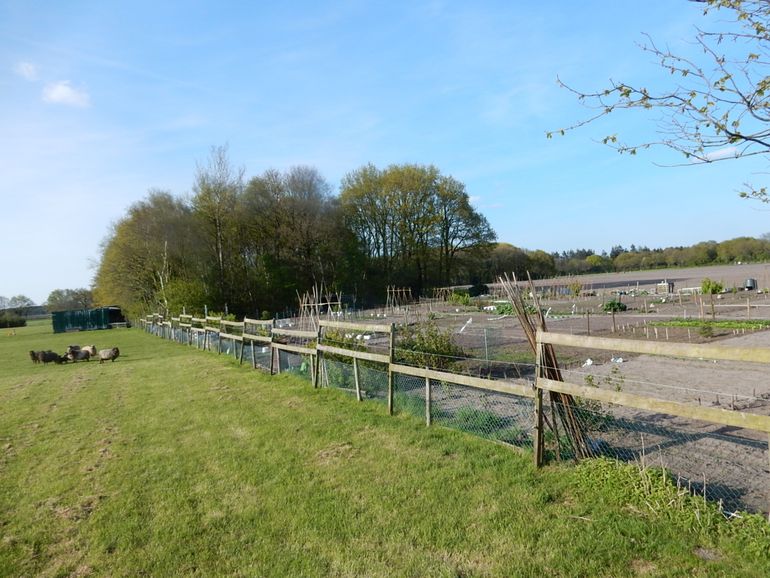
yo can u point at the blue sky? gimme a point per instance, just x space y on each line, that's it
102 101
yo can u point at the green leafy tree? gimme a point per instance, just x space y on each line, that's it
66 299
716 105
154 244
217 187
413 225
20 303
711 288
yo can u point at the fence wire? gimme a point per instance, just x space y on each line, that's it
726 465
296 363
497 416
338 374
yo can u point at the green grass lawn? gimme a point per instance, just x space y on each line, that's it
176 462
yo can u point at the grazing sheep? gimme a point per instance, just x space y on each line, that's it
79 355
108 354
49 356
34 357
91 349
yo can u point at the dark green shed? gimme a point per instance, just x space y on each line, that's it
86 319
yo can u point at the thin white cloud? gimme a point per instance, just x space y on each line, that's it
27 70
63 92
725 153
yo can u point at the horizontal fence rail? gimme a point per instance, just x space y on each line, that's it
504 410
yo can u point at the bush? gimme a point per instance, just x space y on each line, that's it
459 298
8 319
614 306
425 345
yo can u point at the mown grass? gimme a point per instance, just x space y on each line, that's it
176 462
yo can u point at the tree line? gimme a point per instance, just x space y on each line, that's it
250 246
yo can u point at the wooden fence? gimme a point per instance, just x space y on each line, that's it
316 345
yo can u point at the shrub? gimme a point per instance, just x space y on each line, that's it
9 319
459 298
614 306
425 345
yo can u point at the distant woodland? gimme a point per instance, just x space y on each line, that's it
249 246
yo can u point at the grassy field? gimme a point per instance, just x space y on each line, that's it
175 462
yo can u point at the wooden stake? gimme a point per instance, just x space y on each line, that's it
356 380
391 350
427 398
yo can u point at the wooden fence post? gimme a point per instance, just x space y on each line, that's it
253 356
539 437
356 380
272 355
391 343
317 359
427 398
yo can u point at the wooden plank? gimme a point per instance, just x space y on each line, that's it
230 336
212 329
378 357
710 414
295 333
261 338
293 348
232 323
358 327
663 348
258 322
467 380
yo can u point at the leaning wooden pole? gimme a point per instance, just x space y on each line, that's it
549 367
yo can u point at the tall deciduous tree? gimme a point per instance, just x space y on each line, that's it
216 191
66 299
412 223
146 254
717 103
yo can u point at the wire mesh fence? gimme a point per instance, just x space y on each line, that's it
724 464
727 465
338 374
497 416
296 363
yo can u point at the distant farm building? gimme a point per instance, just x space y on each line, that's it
87 319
